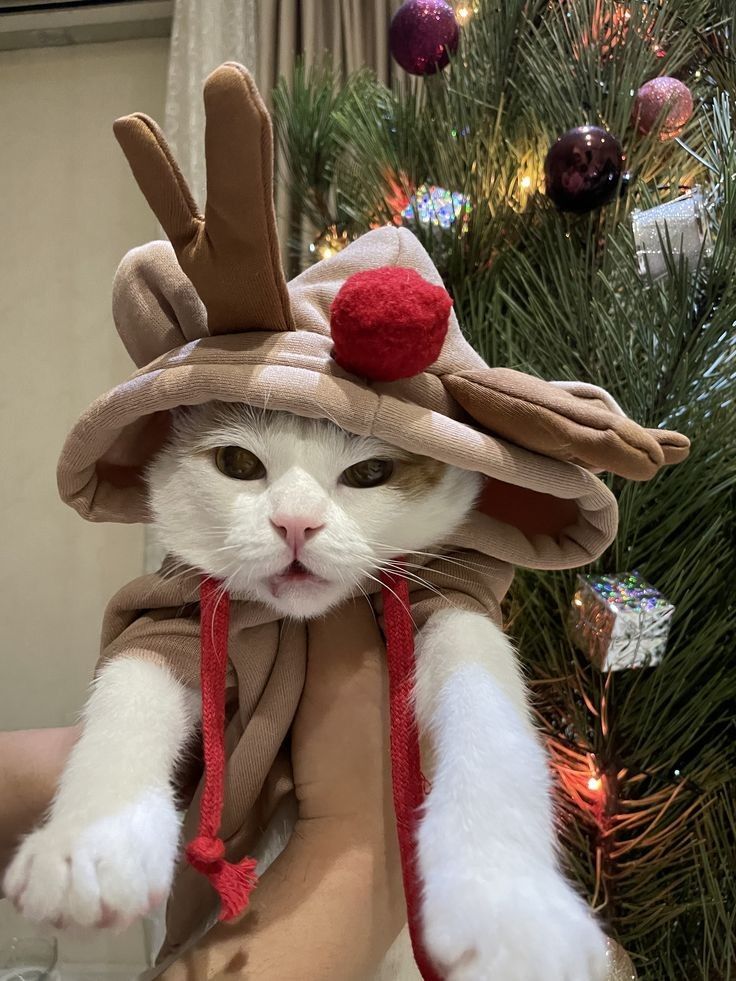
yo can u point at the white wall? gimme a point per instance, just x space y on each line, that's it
70 210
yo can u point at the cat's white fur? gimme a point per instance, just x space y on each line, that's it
496 907
225 526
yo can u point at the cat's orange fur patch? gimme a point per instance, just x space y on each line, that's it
416 474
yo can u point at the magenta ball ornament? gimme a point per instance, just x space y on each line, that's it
583 169
423 35
665 104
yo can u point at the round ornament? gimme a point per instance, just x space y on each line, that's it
583 169
423 35
665 103
619 963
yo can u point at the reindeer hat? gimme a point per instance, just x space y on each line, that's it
368 340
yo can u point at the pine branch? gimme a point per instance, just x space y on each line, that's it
560 297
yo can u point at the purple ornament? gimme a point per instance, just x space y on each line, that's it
665 102
583 169
423 35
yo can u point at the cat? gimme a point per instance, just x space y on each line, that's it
298 514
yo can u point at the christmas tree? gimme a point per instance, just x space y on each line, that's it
558 265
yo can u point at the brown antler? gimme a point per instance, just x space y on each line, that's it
231 254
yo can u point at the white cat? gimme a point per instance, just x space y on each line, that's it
299 515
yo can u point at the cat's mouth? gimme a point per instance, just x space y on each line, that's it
294 574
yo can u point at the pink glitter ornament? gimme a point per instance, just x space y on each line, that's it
665 102
423 35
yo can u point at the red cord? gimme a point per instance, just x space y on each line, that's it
406 772
233 881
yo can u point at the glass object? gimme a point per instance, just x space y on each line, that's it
29 959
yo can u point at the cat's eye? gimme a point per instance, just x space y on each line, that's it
238 463
368 473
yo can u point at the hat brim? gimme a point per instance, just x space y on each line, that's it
534 511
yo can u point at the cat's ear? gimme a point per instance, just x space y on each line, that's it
155 306
574 422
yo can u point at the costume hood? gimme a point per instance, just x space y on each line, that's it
366 339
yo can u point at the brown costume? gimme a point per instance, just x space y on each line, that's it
210 317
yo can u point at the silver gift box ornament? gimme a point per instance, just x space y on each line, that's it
678 228
620 621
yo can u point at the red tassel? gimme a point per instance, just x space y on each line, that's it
406 770
234 882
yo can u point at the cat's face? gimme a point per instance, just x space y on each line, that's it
296 512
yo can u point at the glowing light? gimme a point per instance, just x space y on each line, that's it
331 241
463 13
526 182
595 783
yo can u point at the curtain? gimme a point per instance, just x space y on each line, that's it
267 37
353 32
203 35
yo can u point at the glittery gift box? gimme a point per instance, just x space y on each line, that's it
677 227
432 205
620 621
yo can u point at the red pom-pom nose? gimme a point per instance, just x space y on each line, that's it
388 323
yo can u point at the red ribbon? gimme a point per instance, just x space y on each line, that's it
234 882
406 768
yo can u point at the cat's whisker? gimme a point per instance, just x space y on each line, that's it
369 601
180 571
368 575
450 558
267 396
420 582
445 557
327 414
404 569
399 566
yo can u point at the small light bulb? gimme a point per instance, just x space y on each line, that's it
463 13
526 181
595 783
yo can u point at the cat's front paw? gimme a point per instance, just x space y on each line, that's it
104 872
515 927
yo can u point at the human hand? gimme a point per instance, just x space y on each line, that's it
31 761
332 903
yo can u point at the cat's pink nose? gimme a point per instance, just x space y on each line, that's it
295 529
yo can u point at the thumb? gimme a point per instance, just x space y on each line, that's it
340 736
